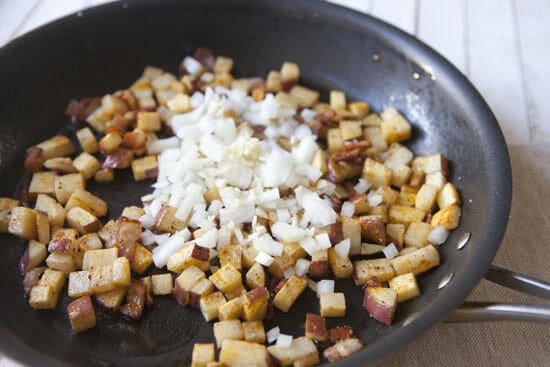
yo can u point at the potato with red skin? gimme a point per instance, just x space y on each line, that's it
34 255
342 349
119 158
318 269
61 246
127 233
315 327
340 333
81 314
31 278
380 303
361 203
373 229
110 301
135 300
255 304
335 232
33 160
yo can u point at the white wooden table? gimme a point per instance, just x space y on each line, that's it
502 46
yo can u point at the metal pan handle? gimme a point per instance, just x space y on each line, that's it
483 311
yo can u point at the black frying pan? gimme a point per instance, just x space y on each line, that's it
105 48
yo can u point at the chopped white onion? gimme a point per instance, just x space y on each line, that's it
438 235
310 245
272 334
264 259
147 221
325 286
348 209
208 239
284 341
163 252
374 199
283 215
264 243
390 251
302 267
323 240
191 65
289 272
311 284
343 247
286 232
362 186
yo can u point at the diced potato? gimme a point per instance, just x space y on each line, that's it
416 262
337 100
341 265
43 297
202 354
365 270
111 301
431 163
87 140
350 129
98 119
375 137
87 165
7 204
406 287
58 146
85 200
359 109
79 284
448 217
102 257
162 284
425 198
23 223
335 142
381 211
254 332
227 279
67 184
82 220
406 199
228 329
210 304
101 279
54 278
61 165
315 327
405 214
371 249
280 264
273 81
401 176
417 234
306 96
110 142
90 241
32 278
142 259
351 229
166 220
4 221
299 348
189 255
417 179
318 268
290 72
203 288
184 282
380 303
33 256
148 121
394 126
113 105
81 314
238 353
287 100
249 256
231 254
56 213
255 303
42 183
144 168
136 296
133 212
287 295
242 84
121 273
42 227
373 229
231 310
255 276
258 93
447 196
437 179
376 173
395 233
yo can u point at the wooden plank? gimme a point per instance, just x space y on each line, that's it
14 12
441 25
359 5
48 10
495 65
534 29
400 13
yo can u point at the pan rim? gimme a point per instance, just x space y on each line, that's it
417 51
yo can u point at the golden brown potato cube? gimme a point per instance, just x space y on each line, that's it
144 168
287 100
335 142
121 273
101 279
401 176
7 204
228 329
133 212
417 179
87 165
406 287
58 146
315 328
43 297
365 270
67 184
431 163
287 295
184 282
90 241
240 353
102 257
376 173
332 304
290 72
337 100
249 256
350 129
341 265
98 119
54 278
254 332
148 121
142 259
373 229
231 310
149 73
111 301
231 254
42 183
110 142
189 255
395 233
82 220
258 93
56 213
23 223
33 256
255 303
417 234
87 201
255 276
375 136
227 279
104 175
416 262
395 127
202 354
359 109
405 214
240 291
371 249
166 220
87 140
448 196
4 221
273 81
61 165
162 284
437 179
203 288
448 217
301 350
81 314
179 103
294 250
389 195
223 64
210 304
351 229
306 96
381 211
425 198
79 284
61 262
113 105
280 264
42 227
242 84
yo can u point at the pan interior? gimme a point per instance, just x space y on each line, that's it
106 48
